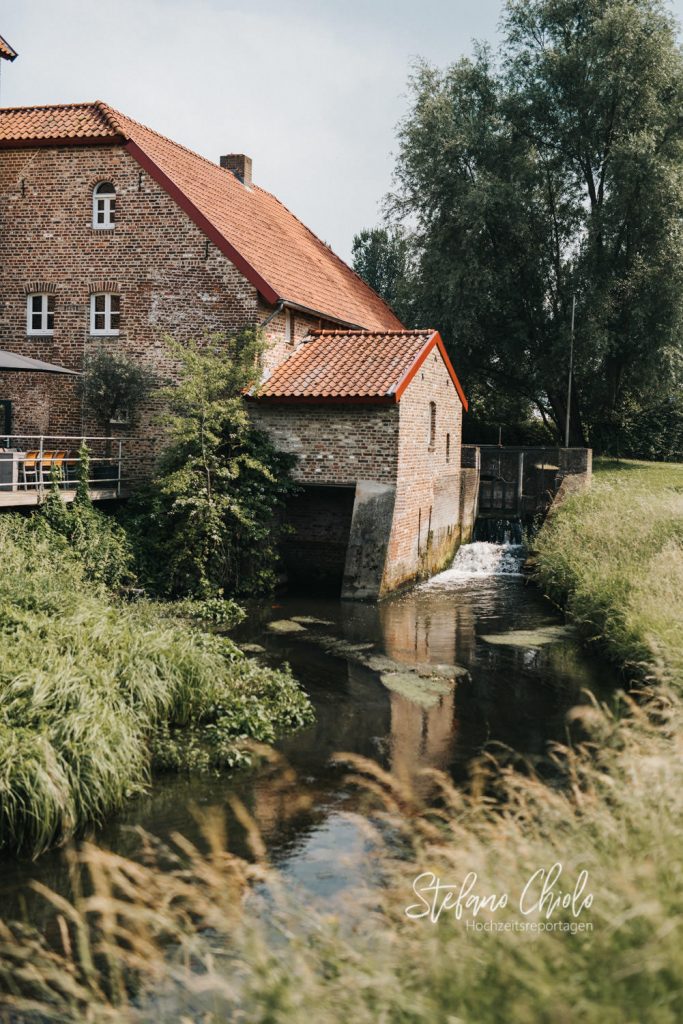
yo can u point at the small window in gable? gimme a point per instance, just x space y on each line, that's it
448 447
104 205
105 314
40 314
432 425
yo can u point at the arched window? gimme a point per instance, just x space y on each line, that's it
432 425
103 205
448 447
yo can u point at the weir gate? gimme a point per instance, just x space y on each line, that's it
516 484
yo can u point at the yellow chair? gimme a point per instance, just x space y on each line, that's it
30 469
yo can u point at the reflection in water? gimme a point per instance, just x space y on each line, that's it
516 696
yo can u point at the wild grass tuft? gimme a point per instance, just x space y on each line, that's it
94 692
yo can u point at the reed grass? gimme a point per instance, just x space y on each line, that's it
95 692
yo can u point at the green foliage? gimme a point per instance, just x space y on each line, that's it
380 257
113 385
100 544
208 522
651 429
551 168
212 611
93 691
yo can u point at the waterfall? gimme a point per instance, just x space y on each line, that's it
479 560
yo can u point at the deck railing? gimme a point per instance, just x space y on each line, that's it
29 462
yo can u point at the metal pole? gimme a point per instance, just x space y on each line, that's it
571 370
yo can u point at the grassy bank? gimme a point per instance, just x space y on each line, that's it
614 558
95 691
168 943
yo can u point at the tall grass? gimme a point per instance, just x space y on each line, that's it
94 691
614 557
167 938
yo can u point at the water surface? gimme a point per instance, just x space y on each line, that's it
514 694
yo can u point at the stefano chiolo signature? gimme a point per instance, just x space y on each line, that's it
541 895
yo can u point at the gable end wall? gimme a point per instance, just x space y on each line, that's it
426 525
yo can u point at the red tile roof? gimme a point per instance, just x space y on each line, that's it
353 366
69 122
6 50
274 250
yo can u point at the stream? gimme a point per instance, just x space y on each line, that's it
475 657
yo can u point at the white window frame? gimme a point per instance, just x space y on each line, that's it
44 331
106 331
108 201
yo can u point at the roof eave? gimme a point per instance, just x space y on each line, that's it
11 55
386 399
298 308
202 222
85 140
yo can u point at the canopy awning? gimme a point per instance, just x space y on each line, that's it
11 361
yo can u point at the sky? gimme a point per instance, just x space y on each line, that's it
312 90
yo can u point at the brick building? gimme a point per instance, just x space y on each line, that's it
112 235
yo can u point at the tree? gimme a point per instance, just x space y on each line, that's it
551 170
380 257
208 523
113 387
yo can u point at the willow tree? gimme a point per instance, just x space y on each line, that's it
552 169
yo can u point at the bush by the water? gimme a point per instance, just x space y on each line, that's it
94 691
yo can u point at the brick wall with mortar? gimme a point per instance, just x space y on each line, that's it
426 528
285 332
335 444
171 280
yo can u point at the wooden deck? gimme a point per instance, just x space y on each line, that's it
31 498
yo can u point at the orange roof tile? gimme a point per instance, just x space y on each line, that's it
353 366
74 122
275 251
6 50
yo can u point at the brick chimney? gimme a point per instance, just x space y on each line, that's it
239 164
